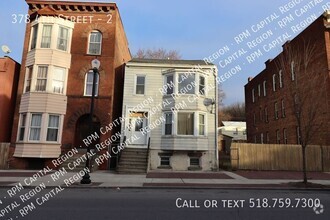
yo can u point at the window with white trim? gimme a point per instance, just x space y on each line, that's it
264 85
185 123
201 85
285 138
169 84
35 127
259 90
22 127
140 85
266 114
253 98
274 82
186 83
293 74
53 127
95 43
34 37
46 36
62 40
168 123
58 80
280 76
41 83
278 137
89 83
201 124
28 79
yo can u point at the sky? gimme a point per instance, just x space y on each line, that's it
198 29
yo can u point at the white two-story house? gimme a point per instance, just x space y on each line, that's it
170 115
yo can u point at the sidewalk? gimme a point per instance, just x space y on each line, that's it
220 179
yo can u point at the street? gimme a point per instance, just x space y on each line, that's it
84 203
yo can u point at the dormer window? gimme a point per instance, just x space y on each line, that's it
95 43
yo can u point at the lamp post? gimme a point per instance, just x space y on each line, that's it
95 65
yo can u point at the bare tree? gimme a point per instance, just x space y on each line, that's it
159 53
233 112
296 62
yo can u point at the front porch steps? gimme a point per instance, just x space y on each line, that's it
133 161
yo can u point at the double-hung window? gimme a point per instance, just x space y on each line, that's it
62 40
168 123
89 83
53 127
185 123
35 127
46 36
140 85
58 80
201 124
201 85
22 127
34 37
41 79
28 79
95 43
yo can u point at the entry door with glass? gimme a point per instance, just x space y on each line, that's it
136 123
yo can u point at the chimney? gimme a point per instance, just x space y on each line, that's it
250 79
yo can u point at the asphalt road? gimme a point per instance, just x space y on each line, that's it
94 204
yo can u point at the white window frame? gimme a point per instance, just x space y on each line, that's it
280 76
96 84
41 78
59 38
278 138
136 84
89 43
199 124
193 126
58 80
265 91
165 123
293 74
167 85
58 128
49 43
202 85
22 127
34 37
285 138
194 75
274 82
28 81
35 127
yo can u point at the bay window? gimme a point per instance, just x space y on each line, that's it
186 83
201 124
28 79
22 127
58 80
35 127
41 79
168 123
62 40
46 36
53 127
201 85
34 37
169 85
185 123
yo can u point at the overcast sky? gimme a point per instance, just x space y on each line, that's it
197 29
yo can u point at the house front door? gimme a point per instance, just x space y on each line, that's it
137 122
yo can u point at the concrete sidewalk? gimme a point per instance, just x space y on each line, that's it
220 179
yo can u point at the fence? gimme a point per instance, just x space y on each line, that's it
279 157
4 151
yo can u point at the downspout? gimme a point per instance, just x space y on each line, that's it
215 74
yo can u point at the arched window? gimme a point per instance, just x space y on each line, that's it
274 82
95 43
89 83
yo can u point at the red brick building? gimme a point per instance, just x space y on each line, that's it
289 101
9 73
55 86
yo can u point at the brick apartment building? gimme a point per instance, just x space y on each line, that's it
9 73
55 84
295 84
